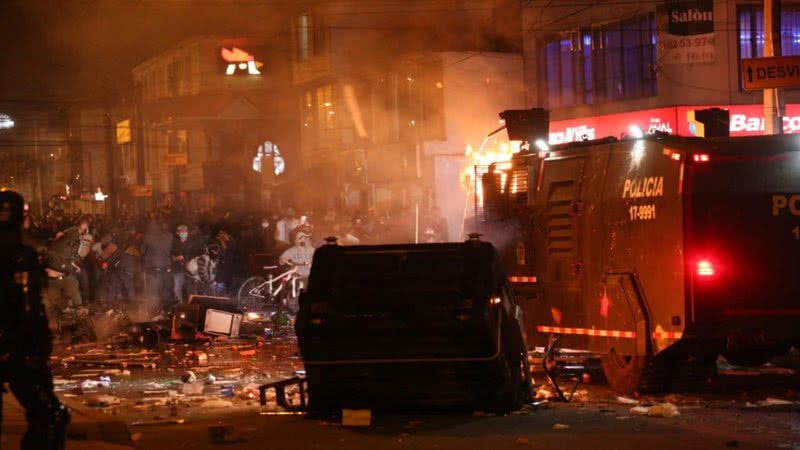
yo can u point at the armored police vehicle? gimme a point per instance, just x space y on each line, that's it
659 253
430 326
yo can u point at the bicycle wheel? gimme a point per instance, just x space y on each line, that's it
252 295
292 304
284 316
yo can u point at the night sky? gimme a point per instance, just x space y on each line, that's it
65 50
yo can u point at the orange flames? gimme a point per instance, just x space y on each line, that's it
478 161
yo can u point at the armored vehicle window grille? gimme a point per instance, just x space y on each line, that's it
489 205
559 218
478 191
518 186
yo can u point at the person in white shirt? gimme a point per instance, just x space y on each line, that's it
300 255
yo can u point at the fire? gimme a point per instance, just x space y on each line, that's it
477 163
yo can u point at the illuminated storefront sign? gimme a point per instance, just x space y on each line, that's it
265 150
240 62
6 122
746 120
124 131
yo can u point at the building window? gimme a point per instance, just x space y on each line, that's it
326 114
174 72
308 110
311 38
303 38
609 62
750 21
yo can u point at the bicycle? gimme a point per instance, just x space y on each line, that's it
278 293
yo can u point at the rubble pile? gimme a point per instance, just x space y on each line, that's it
175 379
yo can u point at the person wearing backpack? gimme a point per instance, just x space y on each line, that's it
201 272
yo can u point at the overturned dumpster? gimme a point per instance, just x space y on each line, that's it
412 327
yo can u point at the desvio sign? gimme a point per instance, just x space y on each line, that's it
775 72
746 120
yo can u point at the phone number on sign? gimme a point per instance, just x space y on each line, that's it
642 212
671 44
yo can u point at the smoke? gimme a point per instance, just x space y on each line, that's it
77 45
414 82
428 79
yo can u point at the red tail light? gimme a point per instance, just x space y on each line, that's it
701 157
705 268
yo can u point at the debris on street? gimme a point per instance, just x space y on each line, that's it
657 410
356 417
775 404
174 379
627 400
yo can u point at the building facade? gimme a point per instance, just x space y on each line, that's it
390 95
602 68
208 105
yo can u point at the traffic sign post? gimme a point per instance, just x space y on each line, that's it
769 73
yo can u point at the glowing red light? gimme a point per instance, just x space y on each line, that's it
236 55
522 279
701 157
705 268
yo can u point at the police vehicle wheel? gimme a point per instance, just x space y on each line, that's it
515 393
745 358
526 382
694 374
630 374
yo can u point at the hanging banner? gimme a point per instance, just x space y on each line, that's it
686 32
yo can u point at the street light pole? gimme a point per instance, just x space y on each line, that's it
773 98
38 167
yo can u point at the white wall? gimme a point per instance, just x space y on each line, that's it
476 89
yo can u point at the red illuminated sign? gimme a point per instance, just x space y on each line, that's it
746 120
241 61
588 128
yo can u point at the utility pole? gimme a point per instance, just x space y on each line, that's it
38 167
139 126
773 98
109 134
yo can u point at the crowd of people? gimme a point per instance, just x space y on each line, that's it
146 264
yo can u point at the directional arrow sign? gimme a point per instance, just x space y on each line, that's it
766 73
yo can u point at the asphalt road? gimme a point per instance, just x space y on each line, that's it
732 412
724 417
590 426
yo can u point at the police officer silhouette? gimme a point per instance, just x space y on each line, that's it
25 339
